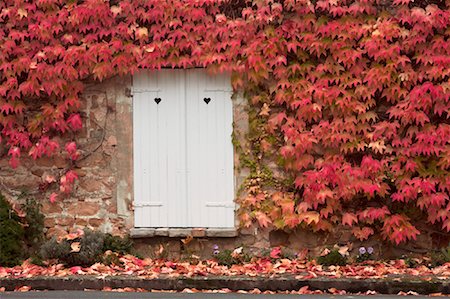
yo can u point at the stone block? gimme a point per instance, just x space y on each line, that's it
50 208
162 232
83 209
96 222
65 221
142 232
182 232
278 238
49 222
81 222
90 184
198 232
56 231
221 232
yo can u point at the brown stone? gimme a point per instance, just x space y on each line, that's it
83 209
56 160
248 231
81 222
302 238
50 208
94 159
81 173
16 181
49 222
65 221
56 231
37 171
96 222
198 232
278 238
112 208
90 184
112 141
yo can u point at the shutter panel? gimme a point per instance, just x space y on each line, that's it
210 150
183 154
159 149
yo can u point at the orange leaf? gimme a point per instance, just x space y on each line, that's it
349 219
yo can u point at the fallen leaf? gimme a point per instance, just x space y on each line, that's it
75 247
343 250
187 240
325 252
23 289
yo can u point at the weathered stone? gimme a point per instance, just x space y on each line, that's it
162 232
49 222
198 232
112 141
278 238
83 208
252 231
95 159
90 185
65 221
50 208
181 232
142 232
96 222
221 233
302 238
55 161
111 208
81 222
56 231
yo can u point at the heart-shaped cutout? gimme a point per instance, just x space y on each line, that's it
207 100
157 100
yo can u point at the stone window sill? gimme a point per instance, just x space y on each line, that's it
183 232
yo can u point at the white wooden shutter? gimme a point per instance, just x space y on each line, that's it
183 154
159 149
209 150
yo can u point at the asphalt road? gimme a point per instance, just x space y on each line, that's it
115 295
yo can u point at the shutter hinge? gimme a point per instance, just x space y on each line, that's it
220 205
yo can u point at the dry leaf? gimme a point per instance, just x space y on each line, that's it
23 289
325 252
187 240
343 250
265 110
75 247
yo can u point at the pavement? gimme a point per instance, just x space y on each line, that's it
391 285
113 295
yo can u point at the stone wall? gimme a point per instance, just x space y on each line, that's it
102 198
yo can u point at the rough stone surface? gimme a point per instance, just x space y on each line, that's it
105 174
278 238
275 283
221 233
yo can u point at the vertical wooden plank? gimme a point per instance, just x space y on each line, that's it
174 178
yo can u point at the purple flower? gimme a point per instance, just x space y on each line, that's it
216 247
216 252
362 250
369 250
